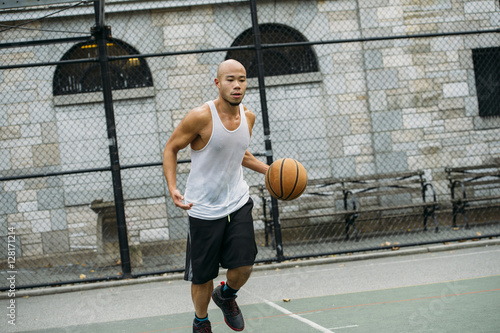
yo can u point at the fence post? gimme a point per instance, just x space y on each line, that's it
265 122
101 32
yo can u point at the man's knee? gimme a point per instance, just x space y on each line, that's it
238 276
243 270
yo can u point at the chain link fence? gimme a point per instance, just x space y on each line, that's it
391 106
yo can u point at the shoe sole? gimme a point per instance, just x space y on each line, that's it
234 329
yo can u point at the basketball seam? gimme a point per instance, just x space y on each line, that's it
268 176
281 177
296 181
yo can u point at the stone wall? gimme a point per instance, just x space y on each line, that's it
378 106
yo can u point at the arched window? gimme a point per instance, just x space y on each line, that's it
86 77
277 61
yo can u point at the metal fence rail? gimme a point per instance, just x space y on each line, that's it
358 91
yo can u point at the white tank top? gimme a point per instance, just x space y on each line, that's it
215 183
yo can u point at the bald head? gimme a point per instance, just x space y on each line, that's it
230 66
231 81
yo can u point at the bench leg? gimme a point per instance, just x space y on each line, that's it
350 220
435 222
455 212
268 225
460 209
269 233
426 216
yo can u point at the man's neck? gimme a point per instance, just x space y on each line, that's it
226 108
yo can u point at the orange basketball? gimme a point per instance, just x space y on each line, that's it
286 179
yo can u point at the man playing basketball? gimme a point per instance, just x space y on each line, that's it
217 197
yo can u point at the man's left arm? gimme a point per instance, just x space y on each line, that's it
252 163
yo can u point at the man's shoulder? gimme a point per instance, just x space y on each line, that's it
200 113
248 113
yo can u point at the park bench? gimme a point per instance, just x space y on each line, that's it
389 196
351 199
471 187
315 204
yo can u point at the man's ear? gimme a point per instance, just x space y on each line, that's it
216 81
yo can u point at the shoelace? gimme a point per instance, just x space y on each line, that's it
232 306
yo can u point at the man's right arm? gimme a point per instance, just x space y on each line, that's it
187 131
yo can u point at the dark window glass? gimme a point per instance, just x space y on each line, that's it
277 61
487 73
86 77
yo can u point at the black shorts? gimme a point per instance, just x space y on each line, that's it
229 242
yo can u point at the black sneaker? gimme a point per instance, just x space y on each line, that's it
202 326
231 311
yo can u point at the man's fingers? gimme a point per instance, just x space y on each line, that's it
184 206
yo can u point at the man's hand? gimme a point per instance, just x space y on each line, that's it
177 197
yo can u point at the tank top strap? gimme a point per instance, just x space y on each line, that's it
243 117
213 111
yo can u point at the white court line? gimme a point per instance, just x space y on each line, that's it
339 328
291 314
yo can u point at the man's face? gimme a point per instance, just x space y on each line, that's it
232 83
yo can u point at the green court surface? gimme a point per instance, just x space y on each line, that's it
470 305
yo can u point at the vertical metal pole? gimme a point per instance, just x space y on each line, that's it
101 33
265 122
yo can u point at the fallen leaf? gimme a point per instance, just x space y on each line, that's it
286 300
82 276
478 233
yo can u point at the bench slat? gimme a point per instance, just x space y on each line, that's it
473 175
472 167
496 197
384 176
408 183
392 192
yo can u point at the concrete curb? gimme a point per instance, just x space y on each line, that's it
259 267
